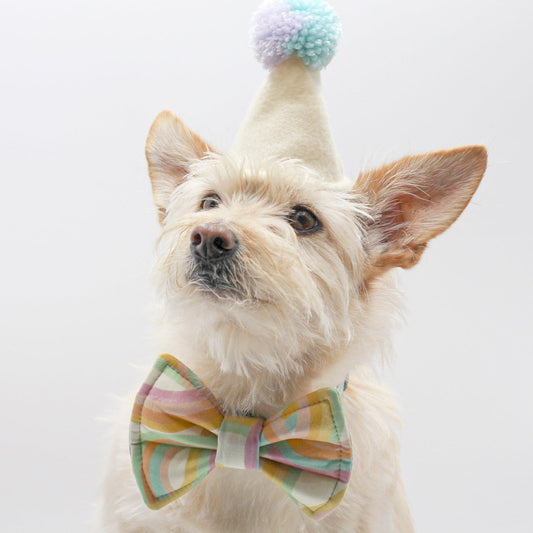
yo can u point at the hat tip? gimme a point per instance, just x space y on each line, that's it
308 29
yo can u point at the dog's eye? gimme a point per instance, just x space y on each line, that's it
303 220
210 201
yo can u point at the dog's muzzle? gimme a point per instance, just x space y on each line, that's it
213 248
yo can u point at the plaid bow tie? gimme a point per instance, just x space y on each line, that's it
179 433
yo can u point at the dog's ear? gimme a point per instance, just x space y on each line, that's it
171 148
416 199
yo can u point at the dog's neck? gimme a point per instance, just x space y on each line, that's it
238 367
252 369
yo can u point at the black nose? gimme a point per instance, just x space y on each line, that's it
211 242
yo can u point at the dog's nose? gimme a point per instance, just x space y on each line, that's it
212 241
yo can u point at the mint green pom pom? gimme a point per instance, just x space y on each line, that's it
316 42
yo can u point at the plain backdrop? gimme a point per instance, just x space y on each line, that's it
81 82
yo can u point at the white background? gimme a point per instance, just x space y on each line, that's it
81 82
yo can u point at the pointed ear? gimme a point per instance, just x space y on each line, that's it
416 199
171 148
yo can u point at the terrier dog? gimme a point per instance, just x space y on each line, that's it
274 284
274 274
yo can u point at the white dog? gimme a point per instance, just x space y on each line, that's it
275 280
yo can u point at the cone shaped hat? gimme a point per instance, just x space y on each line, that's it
288 118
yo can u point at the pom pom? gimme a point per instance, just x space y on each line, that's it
309 29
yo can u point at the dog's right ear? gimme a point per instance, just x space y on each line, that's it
171 148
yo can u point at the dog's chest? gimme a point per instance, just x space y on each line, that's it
242 501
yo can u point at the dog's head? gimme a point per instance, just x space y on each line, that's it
269 252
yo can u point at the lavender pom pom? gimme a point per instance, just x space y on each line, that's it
309 29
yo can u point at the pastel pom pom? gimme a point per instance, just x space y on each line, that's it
309 29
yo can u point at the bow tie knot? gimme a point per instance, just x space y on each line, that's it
238 444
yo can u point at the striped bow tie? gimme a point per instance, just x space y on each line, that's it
179 433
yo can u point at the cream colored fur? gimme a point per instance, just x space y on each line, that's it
303 312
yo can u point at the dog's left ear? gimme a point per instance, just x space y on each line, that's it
416 199
171 148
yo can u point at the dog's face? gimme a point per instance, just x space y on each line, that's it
271 248
268 250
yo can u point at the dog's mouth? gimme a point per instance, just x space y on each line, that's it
220 278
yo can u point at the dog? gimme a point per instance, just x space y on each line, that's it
275 283
275 277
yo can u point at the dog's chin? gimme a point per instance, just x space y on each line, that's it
217 290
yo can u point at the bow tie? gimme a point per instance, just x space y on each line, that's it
179 433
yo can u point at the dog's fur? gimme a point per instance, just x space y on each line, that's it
292 313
